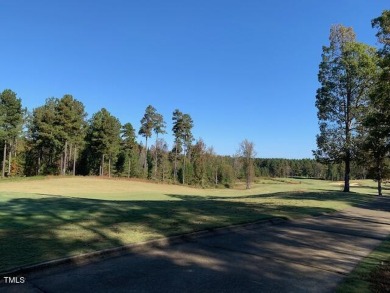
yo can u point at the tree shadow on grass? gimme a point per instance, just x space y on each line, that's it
322 195
352 199
36 230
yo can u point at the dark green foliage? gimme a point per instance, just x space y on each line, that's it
177 130
182 130
226 172
43 147
147 125
152 121
103 139
198 160
147 122
376 135
308 168
126 164
72 125
158 128
11 120
56 135
45 143
150 164
186 173
382 23
11 115
160 149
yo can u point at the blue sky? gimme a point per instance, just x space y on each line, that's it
241 69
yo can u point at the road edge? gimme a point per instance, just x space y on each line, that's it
85 258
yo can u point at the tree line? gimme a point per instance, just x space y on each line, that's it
308 168
58 139
353 102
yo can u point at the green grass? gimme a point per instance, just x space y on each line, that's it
21 179
59 217
372 274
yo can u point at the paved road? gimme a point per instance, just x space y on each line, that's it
306 255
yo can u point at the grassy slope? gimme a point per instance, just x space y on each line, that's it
58 217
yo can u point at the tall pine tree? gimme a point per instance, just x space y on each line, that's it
11 120
347 72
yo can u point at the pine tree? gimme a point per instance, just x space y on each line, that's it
147 125
128 144
11 121
346 74
44 138
104 139
158 128
70 119
187 138
177 130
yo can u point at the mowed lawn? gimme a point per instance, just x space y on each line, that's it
53 218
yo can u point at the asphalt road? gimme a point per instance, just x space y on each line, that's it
308 255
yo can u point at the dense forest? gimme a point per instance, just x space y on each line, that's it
354 141
57 139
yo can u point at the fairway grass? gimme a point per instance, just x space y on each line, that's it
53 218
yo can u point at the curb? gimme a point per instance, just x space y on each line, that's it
138 247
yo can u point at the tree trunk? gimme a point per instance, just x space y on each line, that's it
248 178
348 143
9 161
379 177
156 158
184 169
65 158
109 167
248 171
61 164
175 168
128 168
347 172
39 163
70 156
74 160
102 166
163 172
146 156
4 158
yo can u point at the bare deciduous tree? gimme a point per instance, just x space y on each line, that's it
247 153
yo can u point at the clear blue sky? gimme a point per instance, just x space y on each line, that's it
240 68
